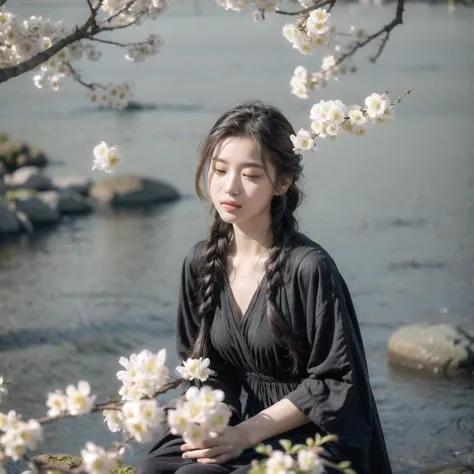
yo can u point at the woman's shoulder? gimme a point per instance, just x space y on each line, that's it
194 254
310 257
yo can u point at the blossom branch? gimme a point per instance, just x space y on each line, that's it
43 56
112 404
116 43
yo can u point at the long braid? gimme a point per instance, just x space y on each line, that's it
210 278
284 228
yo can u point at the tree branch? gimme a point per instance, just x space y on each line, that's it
116 43
320 4
30 64
398 20
77 77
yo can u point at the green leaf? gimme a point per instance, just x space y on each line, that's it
344 465
286 444
261 449
310 442
349 471
296 448
326 439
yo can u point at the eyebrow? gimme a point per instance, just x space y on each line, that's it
247 164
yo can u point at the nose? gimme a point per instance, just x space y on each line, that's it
232 184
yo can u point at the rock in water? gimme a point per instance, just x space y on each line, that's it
8 222
128 190
439 348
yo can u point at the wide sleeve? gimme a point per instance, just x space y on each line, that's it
187 329
334 385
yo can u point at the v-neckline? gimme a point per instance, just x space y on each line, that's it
233 303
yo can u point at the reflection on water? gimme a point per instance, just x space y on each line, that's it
395 209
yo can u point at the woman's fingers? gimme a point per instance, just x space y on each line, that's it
207 452
217 460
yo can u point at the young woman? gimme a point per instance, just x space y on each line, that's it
270 309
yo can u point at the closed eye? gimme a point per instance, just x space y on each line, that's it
252 176
219 171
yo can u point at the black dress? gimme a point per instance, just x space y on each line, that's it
332 386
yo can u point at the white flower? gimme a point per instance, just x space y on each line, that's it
308 460
106 158
279 463
177 421
57 403
302 141
18 435
98 461
79 399
210 397
114 420
376 105
291 32
356 115
195 369
3 389
141 418
194 434
218 418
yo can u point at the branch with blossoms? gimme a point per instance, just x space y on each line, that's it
51 49
312 31
200 414
332 118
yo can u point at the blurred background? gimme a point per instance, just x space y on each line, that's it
395 208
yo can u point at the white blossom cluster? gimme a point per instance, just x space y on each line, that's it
18 436
75 401
112 96
139 52
144 374
315 31
140 419
330 118
195 369
106 158
96 460
307 461
200 415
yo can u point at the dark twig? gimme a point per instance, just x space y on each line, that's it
304 11
398 20
116 43
77 77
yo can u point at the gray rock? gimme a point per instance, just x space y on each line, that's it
25 222
8 222
66 202
78 184
450 469
128 190
38 212
439 348
3 171
30 177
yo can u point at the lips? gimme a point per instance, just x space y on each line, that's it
230 203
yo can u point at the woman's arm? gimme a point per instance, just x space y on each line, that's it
274 420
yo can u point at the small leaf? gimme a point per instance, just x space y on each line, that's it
349 471
310 442
296 448
326 439
344 465
261 449
286 444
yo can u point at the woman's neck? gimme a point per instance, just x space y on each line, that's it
251 240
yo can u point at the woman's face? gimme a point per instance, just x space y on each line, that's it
240 187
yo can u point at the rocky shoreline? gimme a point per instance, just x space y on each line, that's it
31 199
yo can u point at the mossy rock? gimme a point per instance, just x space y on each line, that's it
71 462
15 154
20 193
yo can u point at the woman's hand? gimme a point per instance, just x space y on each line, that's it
218 449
